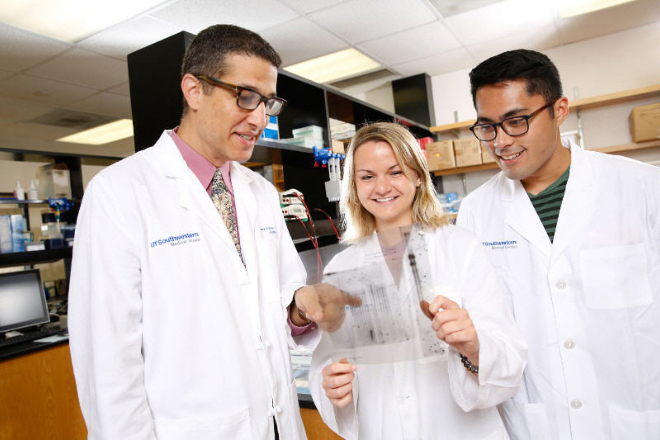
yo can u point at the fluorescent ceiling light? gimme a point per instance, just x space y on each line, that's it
572 8
449 8
70 20
103 134
335 66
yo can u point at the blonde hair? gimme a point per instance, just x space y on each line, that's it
357 221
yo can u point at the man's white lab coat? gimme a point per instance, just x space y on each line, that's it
587 303
171 336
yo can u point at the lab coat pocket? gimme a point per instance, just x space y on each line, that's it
615 277
626 424
235 425
537 420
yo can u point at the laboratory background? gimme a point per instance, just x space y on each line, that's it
85 84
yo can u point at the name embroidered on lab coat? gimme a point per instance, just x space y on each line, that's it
498 245
175 240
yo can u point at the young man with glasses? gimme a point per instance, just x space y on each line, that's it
575 237
184 274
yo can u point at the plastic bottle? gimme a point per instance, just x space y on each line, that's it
33 194
19 193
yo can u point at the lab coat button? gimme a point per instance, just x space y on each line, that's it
576 404
278 409
569 344
561 285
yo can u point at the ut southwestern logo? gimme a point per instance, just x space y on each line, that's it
497 245
175 240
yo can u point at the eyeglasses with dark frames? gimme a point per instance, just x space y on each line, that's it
247 99
514 126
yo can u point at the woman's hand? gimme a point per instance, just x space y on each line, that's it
453 325
338 382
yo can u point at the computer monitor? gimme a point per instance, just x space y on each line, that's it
22 300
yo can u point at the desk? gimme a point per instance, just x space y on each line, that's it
39 399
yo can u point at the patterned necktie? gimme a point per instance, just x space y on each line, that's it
222 200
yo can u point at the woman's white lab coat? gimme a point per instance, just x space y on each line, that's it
588 303
433 398
171 337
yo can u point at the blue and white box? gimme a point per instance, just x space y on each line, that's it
17 228
272 130
5 234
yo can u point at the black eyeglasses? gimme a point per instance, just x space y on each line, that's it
248 99
514 126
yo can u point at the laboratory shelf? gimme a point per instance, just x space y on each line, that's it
34 257
11 201
614 149
579 104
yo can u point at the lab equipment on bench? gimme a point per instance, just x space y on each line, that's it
292 203
326 158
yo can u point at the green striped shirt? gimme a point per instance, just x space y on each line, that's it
548 202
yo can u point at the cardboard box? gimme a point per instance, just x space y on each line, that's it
338 147
467 151
645 122
53 182
440 155
485 155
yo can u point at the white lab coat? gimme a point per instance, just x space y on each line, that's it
432 398
588 304
171 337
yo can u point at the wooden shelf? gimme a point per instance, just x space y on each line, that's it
461 170
614 98
614 149
452 127
585 103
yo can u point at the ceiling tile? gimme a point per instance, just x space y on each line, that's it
413 44
618 18
43 90
129 36
195 15
21 49
108 104
6 73
36 131
499 20
358 21
306 6
437 64
12 109
80 66
300 40
540 39
121 89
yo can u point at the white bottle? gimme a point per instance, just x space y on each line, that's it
33 194
19 193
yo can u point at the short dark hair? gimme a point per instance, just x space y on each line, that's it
540 73
206 53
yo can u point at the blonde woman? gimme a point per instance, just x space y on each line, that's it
386 191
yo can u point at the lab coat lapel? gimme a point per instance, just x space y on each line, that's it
522 217
578 205
192 195
246 213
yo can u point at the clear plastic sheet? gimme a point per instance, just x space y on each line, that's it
391 281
